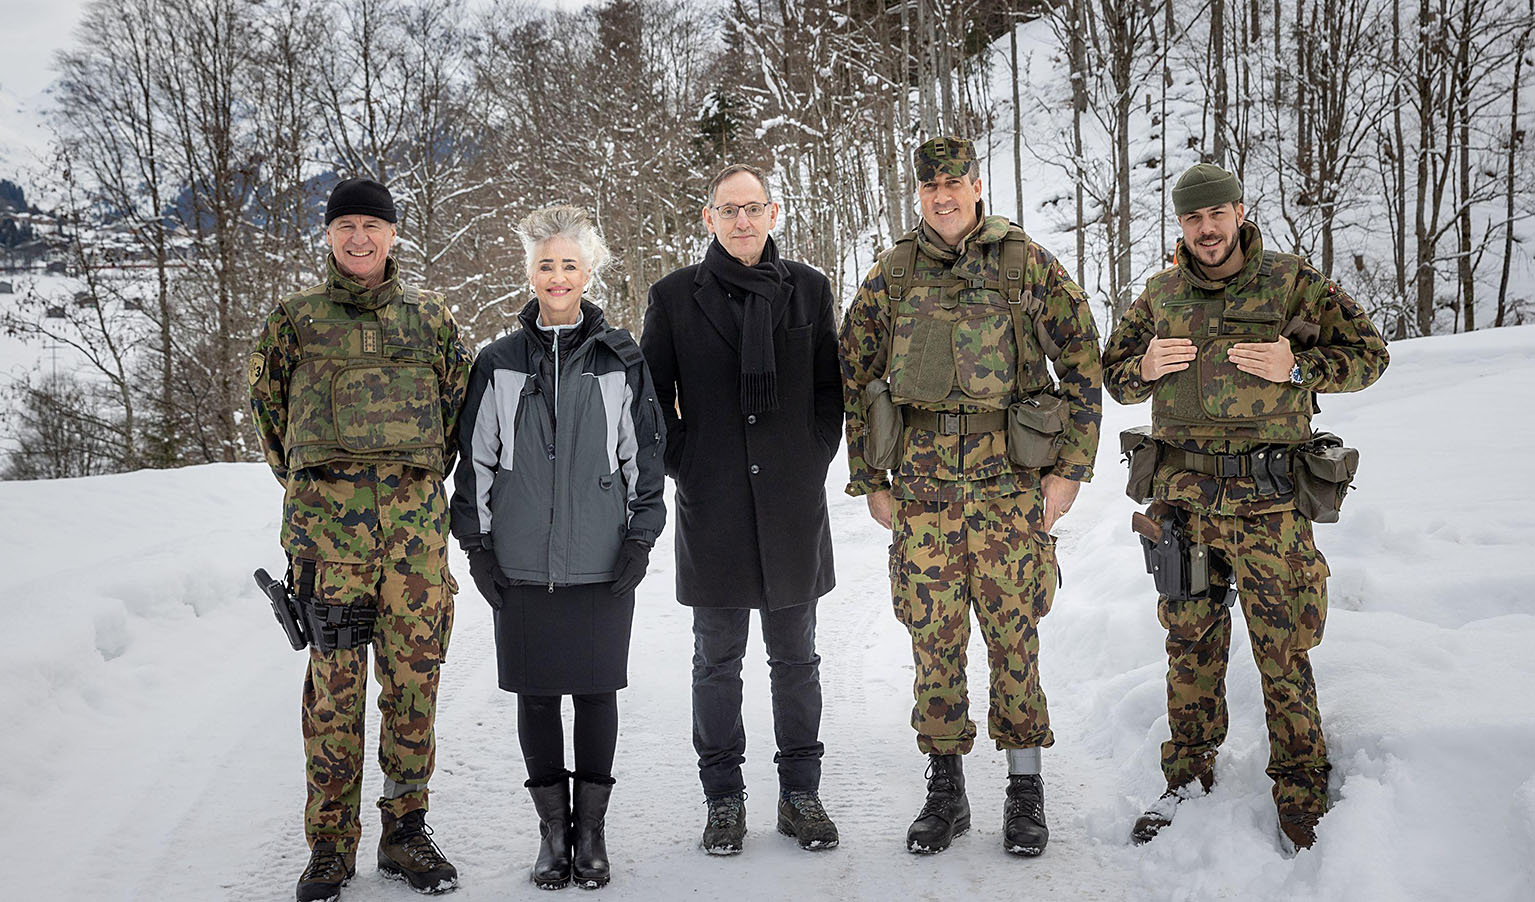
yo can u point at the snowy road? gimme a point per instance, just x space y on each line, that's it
151 707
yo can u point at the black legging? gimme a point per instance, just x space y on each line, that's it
542 735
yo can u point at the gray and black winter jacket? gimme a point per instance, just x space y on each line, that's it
560 445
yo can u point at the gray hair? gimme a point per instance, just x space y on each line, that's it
736 169
563 221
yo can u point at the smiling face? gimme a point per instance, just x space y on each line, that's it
948 205
558 276
742 236
361 246
1210 234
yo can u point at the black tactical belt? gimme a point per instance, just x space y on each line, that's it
954 423
1270 465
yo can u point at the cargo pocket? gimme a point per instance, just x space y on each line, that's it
445 618
1308 598
1046 575
900 583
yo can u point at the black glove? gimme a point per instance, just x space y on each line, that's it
633 558
487 575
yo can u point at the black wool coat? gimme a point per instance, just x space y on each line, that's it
751 521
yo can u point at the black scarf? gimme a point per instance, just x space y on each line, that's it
757 287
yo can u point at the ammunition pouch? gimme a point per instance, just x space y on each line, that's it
1324 472
882 426
1140 452
1036 427
1182 569
331 627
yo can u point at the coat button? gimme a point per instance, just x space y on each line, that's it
751 418
756 469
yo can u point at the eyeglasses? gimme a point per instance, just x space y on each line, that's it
753 210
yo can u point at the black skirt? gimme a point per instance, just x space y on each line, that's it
572 641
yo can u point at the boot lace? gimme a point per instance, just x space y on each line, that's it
808 805
415 838
1024 797
326 865
724 812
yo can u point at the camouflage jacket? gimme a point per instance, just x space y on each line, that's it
361 507
939 467
1338 350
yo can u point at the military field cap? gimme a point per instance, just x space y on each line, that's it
946 156
361 197
1205 185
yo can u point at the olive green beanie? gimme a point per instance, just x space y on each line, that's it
1205 185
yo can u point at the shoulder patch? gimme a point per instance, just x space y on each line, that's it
256 367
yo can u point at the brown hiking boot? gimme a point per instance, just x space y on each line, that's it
406 852
1161 812
1297 829
328 871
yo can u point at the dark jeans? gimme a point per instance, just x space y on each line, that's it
719 643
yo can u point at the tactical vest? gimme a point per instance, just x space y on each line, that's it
1212 398
364 388
952 338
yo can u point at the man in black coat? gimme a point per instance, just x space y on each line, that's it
744 346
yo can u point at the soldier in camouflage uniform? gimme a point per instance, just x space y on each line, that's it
1231 345
933 319
356 386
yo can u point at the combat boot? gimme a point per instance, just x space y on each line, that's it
406 852
946 813
1160 814
1297 830
801 815
1023 816
725 832
328 871
589 860
552 803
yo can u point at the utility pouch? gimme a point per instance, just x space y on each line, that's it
1140 452
1036 427
1324 472
883 426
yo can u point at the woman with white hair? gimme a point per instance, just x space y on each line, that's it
557 501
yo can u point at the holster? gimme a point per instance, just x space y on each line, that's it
1181 568
331 627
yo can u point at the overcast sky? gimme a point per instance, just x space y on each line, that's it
36 29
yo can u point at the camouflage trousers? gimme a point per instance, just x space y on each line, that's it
414 597
946 558
1281 579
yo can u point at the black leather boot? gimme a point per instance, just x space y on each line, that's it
552 802
1023 816
946 813
589 863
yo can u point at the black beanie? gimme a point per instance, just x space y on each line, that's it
363 197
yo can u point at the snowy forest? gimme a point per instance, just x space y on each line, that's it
196 141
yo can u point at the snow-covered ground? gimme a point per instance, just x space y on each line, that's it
151 704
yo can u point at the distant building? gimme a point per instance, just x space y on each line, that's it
5 288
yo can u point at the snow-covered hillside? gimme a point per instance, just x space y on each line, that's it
151 704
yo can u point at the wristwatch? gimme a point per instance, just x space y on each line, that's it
1295 375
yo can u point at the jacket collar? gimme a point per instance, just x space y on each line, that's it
709 295
344 289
